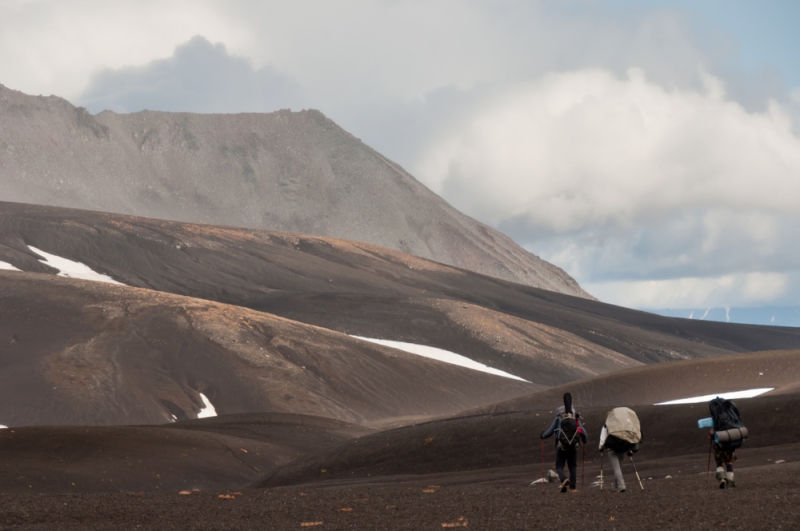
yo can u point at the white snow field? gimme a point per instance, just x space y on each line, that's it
68 268
208 411
6 265
3 427
748 393
441 355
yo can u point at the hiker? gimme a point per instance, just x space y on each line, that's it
727 434
569 432
620 435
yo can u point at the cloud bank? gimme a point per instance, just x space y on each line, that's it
654 197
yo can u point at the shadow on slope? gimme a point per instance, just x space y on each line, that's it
481 445
485 448
672 381
209 454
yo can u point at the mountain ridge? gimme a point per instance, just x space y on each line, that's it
287 171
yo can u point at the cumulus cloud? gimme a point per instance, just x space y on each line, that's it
617 177
199 77
587 148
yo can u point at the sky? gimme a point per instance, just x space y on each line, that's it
649 148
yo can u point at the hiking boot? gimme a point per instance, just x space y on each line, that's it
722 483
729 483
564 485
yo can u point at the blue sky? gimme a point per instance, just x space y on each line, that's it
652 149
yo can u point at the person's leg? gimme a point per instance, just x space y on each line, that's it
616 465
720 475
729 473
572 462
561 458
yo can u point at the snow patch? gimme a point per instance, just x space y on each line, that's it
441 355
6 265
3 427
749 393
70 269
209 410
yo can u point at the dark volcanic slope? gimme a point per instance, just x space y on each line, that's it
680 379
296 172
219 453
478 447
82 352
360 289
478 444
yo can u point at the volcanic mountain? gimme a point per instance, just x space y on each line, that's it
296 172
259 321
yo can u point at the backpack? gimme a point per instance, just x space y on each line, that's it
568 431
726 417
624 430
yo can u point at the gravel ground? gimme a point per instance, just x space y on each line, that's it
765 498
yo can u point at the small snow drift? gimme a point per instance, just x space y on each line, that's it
441 355
3 427
9 267
748 393
209 410
70 269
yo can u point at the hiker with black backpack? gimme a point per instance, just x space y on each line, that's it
569 432
727 434
620 435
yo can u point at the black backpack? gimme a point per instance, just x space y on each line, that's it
620 446
567 431
726 417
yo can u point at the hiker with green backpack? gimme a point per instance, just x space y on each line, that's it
569 432
620 435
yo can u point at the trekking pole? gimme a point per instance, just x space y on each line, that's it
708 466
542 465
637 472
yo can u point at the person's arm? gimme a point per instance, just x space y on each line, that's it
582 431
603 436
549 431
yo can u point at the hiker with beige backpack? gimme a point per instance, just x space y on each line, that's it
621 435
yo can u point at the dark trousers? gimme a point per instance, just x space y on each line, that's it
570 457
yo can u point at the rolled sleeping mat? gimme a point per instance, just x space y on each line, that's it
731 435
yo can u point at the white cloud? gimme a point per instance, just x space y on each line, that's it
53 46
587 148
651 197
737 290
199 77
